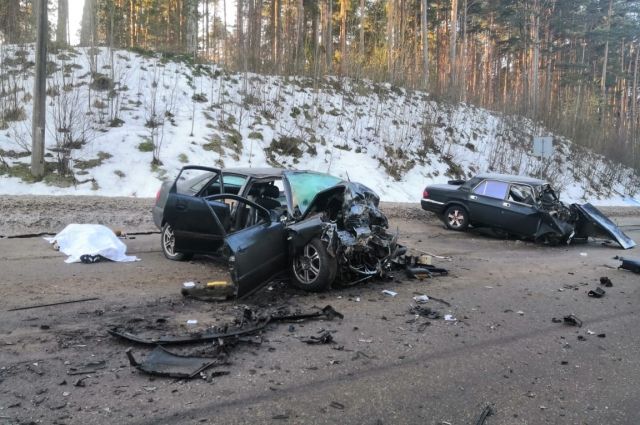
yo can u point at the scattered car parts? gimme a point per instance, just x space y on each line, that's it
162 362
521 206
572 320
605 281
596 293
52 304
254 324
191 338
629 264
488 411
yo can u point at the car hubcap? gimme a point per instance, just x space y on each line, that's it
306 266
456 218
168 240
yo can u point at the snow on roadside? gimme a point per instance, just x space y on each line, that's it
393 140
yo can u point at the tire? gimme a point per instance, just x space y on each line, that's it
313 269
456 218
167 242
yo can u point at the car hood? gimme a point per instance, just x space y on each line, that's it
346 196
592 221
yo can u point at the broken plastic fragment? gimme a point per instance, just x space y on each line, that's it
572 320
388 292
596 293
449 318
164 363
421 299
606 282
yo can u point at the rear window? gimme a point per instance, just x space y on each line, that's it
492 189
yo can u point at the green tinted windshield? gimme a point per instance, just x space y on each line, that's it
305 185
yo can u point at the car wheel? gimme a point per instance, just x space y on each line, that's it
456 218
313 269
168 242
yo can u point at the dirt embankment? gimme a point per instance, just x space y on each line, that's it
22 215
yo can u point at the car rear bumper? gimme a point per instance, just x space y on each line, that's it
431 205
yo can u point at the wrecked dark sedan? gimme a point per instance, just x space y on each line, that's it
520 206
266 221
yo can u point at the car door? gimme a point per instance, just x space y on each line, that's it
519 216
196 229
257 252
486 202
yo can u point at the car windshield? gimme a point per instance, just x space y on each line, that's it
305 185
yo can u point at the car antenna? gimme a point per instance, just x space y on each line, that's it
348 179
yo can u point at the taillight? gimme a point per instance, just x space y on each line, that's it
425 194
158 196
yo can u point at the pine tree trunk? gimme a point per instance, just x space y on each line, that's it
453 40
343 35
62 33
425 43
362 16
192 27
330 35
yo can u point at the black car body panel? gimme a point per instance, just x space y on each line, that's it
522 206
593 222
259 242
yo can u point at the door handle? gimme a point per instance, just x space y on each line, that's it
473 197
506 204
181 206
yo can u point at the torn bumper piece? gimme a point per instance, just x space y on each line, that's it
193 338
257 325
629 264
161 362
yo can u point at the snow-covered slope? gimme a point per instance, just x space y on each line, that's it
139 105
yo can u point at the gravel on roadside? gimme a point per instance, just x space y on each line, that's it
29 215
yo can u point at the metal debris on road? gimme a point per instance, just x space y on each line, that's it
52 304
488 411
629 264
324 338
389 292
604 280
161 362
572 320
425 311
596 293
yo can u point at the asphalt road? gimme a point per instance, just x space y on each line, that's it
386 366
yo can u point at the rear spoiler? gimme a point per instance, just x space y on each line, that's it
456 182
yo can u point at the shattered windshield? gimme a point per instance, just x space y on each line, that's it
305 185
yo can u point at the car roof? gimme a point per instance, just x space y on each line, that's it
512 179
256 172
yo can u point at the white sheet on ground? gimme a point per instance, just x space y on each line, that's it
76 240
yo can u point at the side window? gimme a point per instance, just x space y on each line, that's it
192 181
492 189
233 183
521 193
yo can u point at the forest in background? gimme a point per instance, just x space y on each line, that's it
570 65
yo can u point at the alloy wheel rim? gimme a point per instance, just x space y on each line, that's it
306 266
168 240
456 218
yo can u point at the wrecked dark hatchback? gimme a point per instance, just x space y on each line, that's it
521 206
265 221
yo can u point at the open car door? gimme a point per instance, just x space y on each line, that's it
196 230
593 223
256 251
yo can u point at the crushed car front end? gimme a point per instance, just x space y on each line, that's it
346 218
